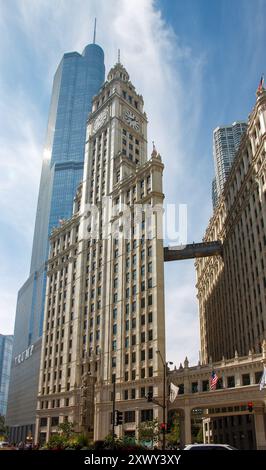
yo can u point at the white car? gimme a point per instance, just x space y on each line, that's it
209 447
4 444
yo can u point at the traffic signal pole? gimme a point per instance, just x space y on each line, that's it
113 429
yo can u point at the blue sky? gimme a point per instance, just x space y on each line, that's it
197 64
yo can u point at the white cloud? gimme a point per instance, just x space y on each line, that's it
154 58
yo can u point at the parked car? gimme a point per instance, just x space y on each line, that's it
4 444
209 447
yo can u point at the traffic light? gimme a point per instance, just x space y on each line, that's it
163 427
149 396
250 406
118 417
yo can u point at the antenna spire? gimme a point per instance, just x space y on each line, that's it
94 32
118 56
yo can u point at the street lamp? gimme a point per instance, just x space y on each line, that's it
164 394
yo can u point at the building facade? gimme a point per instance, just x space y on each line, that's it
233 412
77 79
226 141
231 287
6 345
104 315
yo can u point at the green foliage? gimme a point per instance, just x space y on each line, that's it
173 437
124 443
57 442
149 431
199 437
82 440
66 429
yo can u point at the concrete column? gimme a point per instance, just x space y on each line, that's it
137 423
48 428
259 418
208 431
37 430
187 423
199 386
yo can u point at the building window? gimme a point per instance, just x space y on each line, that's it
150 335
150 371
245 379
129 417
142 373
142 337
43 422
125 394
146 415
231 381
133 394
142 392
55 421
142 355
133 375
150 353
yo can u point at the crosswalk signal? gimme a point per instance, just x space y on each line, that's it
149 396
250 406
118 418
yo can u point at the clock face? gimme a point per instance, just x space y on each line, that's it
132 120
100 120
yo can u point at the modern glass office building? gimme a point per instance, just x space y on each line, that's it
6 345
77 79
226 141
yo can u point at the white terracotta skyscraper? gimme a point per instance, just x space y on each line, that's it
104 315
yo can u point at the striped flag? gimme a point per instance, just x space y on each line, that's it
213 380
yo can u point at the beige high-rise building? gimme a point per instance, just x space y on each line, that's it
104 315
232 288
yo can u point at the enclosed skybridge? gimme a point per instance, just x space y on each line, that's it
193 250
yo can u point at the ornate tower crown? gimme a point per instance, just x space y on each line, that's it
118 71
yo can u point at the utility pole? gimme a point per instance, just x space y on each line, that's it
164 395
113 429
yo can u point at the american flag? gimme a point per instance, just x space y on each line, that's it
213 380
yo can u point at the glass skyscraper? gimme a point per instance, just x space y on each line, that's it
77 79
226 141
6 345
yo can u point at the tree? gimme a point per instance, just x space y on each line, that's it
66 429
149 431
173 437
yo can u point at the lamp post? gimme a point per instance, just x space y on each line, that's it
164 393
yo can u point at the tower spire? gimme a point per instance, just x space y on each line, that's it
118 56
94 32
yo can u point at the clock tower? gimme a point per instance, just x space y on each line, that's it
131 269
114 291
